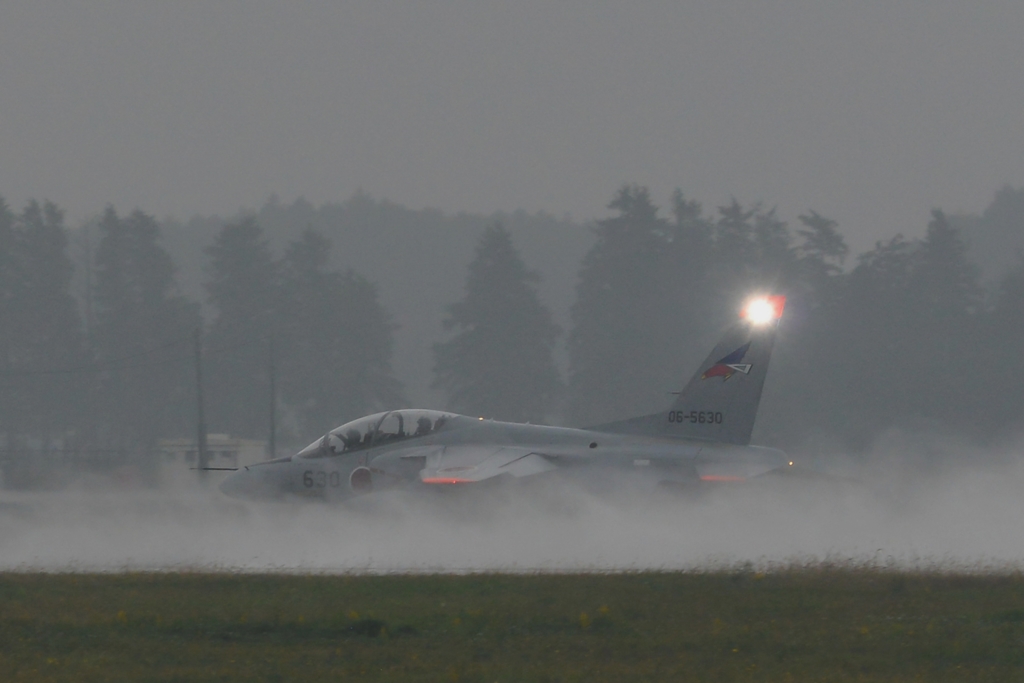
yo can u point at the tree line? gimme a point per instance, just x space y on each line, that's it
909 334
116 370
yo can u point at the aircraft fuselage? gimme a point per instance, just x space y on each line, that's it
466 449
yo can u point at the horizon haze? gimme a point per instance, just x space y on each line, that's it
871 114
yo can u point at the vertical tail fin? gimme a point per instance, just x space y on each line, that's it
720 401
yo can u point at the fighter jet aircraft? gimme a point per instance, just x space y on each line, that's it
703 435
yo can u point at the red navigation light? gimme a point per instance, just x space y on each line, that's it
764 309
446 480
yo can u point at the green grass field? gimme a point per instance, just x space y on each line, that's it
821 624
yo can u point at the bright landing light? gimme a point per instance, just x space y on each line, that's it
764 310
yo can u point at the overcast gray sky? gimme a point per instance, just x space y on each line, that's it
870 112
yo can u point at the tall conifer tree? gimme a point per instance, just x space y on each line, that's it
143 334
499 363
47 329
335 346
1004 331
243 286
8 284
620 298
947 297
692 306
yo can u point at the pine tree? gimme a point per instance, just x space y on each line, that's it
734 241
873 340
947 298
997 236
243 286
822 242
143 335
775 258
47 327
947 282
688 270
753 252
336 342
616 343
500 362
819 259
1001 374
8 284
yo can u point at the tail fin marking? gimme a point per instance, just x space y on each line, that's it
720 401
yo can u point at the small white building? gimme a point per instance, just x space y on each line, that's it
223 451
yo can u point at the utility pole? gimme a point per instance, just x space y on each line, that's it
89 322
6 402
204 460
272 444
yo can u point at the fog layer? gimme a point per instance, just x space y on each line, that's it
949 517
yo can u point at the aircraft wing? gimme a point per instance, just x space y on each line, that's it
470 464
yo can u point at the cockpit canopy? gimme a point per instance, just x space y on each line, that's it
377 429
